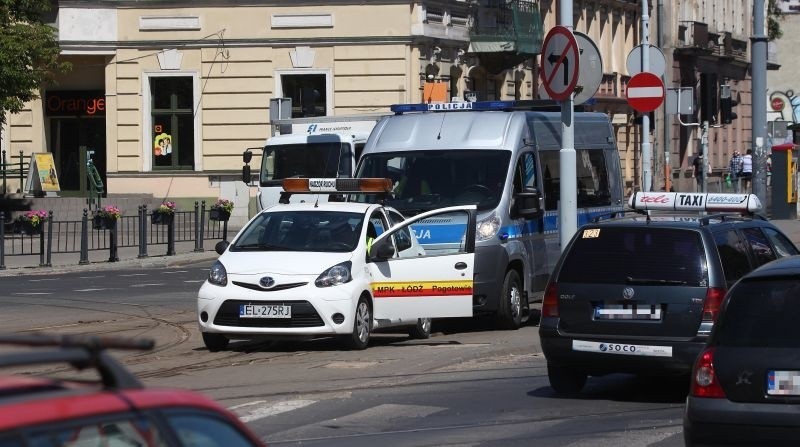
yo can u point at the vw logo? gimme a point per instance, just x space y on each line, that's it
603 347
267 282
627 293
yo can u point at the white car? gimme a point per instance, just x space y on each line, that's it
320 269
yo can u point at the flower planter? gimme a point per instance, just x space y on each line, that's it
219 214
25 227
103 223
157 218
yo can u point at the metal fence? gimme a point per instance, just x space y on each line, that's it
84 235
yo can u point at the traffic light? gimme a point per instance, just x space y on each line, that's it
726 104
708 97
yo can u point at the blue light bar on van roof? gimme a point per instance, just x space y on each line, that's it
452 106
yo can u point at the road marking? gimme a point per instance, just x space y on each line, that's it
32 293
193 280
91 277
43 279
264 409
174 271
147 285
133 274
90 290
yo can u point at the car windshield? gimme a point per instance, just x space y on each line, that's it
762 313
626 255
426 180
300 160
321 231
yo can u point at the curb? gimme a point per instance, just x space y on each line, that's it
150 262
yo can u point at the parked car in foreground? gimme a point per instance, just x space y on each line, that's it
745 385
306 270
641 294
113 410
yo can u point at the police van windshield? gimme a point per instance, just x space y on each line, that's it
303 160
322 231
426 180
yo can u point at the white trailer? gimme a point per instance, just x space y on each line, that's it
319 147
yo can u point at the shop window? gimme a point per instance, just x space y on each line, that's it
172 132
308 92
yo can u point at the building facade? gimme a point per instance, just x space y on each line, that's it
165 95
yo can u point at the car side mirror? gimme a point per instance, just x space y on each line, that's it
383 251
526 204
221 246
247 156
246 175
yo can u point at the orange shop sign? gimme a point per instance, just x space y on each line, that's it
75 103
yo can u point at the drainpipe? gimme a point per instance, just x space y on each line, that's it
667 125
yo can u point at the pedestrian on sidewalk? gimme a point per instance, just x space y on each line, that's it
698 165
735 171
747 171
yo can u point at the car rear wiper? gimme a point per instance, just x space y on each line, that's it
676 282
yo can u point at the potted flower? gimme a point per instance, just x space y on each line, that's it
31 222
105 218
221 210
164 214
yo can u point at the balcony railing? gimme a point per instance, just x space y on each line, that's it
512 28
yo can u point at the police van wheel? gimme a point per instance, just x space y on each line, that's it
565 380
215 342
362 326
509 312
422 330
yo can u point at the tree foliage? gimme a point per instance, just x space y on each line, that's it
28 53
774 16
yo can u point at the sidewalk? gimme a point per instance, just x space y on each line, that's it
185 254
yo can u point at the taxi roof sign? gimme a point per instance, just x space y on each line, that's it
691 201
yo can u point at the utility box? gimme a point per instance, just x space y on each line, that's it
783 181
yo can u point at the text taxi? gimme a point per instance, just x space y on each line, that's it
318 269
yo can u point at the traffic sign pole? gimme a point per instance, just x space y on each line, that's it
568 188
647 151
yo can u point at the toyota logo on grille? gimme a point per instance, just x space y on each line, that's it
627 293
267 282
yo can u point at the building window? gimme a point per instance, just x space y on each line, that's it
308 92
172 131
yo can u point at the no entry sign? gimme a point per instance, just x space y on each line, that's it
645 92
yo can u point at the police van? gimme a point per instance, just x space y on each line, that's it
503 157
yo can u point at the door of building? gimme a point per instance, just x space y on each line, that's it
73 141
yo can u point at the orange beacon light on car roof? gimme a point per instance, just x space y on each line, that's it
334 186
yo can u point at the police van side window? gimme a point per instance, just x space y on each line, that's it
592 178
733 254
524 174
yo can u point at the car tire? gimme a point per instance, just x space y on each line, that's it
362 327
422 330
565 380
509 311
215 342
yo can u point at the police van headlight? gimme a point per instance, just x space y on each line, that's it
487 228
217 275
338 274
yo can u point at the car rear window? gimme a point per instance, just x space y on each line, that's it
762 313
620 255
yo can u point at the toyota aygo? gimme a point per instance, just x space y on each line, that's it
306 270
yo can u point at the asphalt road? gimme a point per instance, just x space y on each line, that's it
468 385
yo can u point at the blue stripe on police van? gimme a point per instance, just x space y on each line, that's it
551 222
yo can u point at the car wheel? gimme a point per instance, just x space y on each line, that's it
215 342
421 330
362 326
565 380
509 312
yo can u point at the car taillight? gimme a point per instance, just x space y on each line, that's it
550 301
713 302
704 380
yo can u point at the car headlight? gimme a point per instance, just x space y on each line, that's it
217 275
338 274
487 228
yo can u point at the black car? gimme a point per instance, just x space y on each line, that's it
641 294
746 383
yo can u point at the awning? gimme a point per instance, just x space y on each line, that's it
496 46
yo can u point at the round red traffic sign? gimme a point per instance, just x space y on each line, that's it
645 92
777 104
560 63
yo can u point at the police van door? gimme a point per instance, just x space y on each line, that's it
409 283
